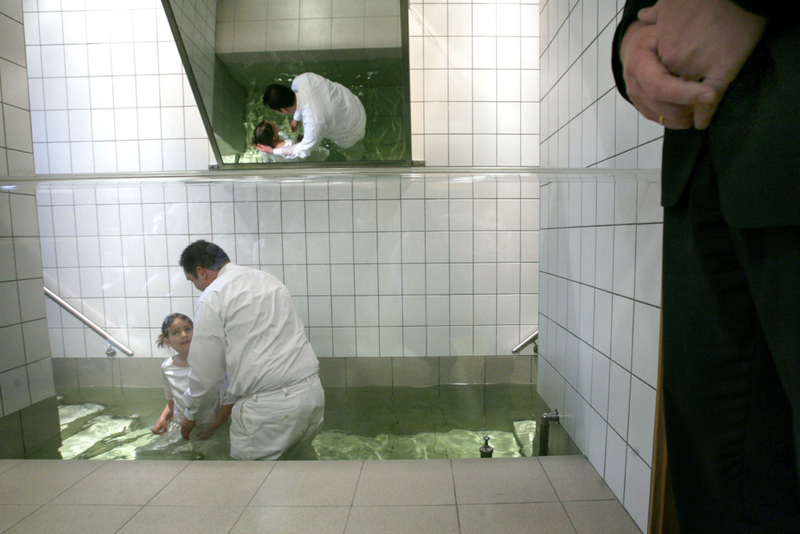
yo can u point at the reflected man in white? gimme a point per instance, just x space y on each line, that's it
328 110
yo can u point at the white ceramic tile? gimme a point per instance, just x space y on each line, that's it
637 489
508 309
19 122
624 253
434 53
413 247
172 123
391 310
484 82
13 355
627 123
40 378
486 246
642 419
605 258
413 279
343 312
14 390
389 247
615 464
646 328
619 399
367 311
413 310
622 331
597 442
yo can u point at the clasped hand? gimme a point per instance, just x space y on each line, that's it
681 55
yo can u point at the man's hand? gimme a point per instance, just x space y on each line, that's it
654 90
294 125
704 41
263 148
207 433
186 428
160 427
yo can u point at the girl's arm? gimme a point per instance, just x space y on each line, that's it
161 425
222 416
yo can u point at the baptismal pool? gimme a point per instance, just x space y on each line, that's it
365 423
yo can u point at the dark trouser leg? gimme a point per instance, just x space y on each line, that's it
731 354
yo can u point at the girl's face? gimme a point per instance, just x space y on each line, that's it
180 335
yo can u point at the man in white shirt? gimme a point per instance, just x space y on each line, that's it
246 325
327 110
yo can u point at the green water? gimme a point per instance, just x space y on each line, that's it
370 423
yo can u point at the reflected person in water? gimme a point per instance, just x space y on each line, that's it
247 327
328 110
267 136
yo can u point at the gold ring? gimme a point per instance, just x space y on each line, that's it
661 120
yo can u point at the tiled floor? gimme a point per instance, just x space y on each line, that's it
551 495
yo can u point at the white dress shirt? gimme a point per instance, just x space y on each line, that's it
246 324
328 110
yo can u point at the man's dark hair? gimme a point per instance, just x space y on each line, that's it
203 254
278 97
264 134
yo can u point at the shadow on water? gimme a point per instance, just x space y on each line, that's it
445 421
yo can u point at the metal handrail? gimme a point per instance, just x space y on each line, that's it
527 341
88 322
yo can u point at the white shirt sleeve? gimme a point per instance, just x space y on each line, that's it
311 140
207 360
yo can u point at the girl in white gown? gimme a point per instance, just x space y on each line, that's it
267 134
176 333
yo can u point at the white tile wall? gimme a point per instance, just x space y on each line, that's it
395 265
599 317
255 26
25 356
584 120
25 369
16 153
601 251
108 101
475 82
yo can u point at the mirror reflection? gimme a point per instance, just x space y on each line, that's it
233 50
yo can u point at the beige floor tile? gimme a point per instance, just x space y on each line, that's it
5 465
310 484
39 481
59 519
600 517
403 520
501 480
530 518
405 482
202 519
219 483
10 514
565 472
122 483
291 520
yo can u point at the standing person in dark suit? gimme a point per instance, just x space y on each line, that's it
724 78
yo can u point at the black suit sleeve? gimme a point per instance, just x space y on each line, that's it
629 14
769 8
